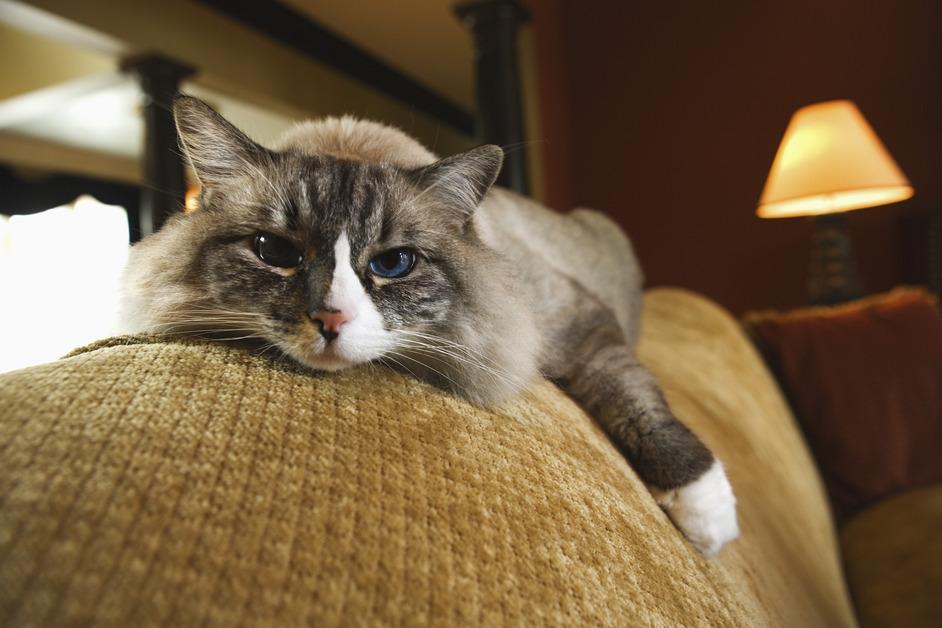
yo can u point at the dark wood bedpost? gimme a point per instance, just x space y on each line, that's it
494 24
164 181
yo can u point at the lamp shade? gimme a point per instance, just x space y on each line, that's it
829 161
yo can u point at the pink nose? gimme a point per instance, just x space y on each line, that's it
329 322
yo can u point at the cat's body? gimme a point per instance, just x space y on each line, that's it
498 290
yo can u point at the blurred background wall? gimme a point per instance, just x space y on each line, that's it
668 115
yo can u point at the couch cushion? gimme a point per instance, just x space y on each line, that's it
155 483
893 556
865 379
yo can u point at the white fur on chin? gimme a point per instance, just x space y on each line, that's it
704 510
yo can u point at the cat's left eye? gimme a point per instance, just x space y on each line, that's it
393 264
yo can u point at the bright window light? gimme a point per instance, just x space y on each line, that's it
59 277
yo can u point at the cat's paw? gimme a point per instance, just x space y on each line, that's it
704 510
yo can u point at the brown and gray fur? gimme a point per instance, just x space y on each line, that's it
503 290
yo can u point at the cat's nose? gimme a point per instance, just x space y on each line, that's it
329 322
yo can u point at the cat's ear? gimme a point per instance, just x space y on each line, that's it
218 151
461 181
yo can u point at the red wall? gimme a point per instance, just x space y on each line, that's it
667 115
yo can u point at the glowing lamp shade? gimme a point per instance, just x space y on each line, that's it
829 161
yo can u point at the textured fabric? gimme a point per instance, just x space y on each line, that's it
865 380
149 483
893 558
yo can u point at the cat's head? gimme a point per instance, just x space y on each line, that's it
334 261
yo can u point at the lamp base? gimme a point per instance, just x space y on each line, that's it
833 277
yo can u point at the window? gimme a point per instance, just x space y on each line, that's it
59 277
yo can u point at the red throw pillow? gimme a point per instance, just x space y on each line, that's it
865 381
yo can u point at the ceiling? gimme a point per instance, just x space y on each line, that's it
59 83
420 38
108 119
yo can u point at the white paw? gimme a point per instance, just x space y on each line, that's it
704 510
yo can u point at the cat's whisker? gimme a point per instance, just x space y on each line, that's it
495 375
199 334
210 322
437 353
247 337
438 339
458 385
228 323
206 325
473 359
400 364
515 146
453 344
467 359
221 324
458 353
214 309
280 356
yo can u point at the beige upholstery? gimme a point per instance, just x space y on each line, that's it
150 483
892 554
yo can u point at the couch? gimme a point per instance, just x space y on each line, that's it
149 482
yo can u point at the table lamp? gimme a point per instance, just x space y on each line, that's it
830 162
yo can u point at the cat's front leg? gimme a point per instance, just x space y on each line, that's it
685 478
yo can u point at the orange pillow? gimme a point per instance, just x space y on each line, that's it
865 382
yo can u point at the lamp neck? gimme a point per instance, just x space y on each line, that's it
833 277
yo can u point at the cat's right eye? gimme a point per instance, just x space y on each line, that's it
276 251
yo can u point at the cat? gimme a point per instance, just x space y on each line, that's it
350 242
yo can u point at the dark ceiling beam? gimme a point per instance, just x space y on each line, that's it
298 32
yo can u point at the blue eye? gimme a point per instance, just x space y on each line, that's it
393 264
